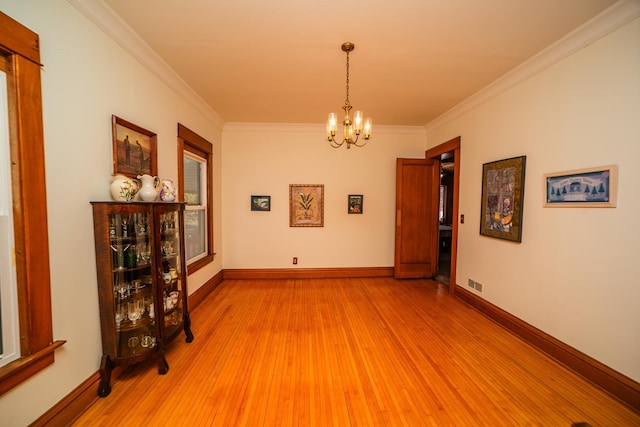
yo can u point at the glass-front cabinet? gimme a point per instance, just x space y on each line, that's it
142 285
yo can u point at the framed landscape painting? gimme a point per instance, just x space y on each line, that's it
134 149
587 188
260 203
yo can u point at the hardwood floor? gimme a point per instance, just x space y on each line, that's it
350 352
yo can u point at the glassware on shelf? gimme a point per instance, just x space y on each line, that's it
120 254
121 314
125 219
148 305
148 341
131 256
133 342
121 287
141 224
167 248
143 254
135 309
112 227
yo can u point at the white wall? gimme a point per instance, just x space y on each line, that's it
575 274
572 276
265 159
86 78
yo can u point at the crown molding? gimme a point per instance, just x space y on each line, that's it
118 30
314 128
616 16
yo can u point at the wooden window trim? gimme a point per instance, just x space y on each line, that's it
20 47
192 142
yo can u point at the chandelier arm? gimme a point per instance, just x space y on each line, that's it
362 144
334 143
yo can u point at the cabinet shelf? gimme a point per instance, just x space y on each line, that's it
129 269
128 325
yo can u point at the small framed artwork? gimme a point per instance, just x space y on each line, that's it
355 203
306 205
502 198
134 149
586 188
260 203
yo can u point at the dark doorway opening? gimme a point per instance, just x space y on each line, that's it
445 217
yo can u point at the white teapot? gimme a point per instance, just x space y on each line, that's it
149 188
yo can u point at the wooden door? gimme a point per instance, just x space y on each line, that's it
417 198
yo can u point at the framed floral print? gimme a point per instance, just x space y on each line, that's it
306 205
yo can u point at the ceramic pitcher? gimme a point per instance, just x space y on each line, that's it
149 188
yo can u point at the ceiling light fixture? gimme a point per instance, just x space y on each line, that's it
352 129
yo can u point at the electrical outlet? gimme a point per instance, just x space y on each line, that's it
479 287
295 260
472 284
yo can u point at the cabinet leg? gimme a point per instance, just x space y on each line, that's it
105 376
163 366
187 328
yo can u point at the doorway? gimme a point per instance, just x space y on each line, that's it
448 154
445 217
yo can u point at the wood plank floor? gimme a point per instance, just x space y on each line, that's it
350 352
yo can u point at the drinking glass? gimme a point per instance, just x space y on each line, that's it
134 310
125 225
121 314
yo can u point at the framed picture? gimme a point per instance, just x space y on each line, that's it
260 203
306 205
587 188
134 149
355 204
502 198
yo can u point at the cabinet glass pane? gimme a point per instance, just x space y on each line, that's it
131 261
172 283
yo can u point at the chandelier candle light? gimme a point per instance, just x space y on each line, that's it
352 129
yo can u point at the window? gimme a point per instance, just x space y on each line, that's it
27 299
195 192
195 176
9 332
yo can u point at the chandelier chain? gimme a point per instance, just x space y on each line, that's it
347 101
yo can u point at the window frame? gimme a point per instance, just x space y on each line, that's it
189 141
21 49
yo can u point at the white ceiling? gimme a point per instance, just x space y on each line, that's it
280 61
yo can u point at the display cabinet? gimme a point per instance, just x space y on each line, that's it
142 282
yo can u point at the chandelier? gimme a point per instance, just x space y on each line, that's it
352 128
